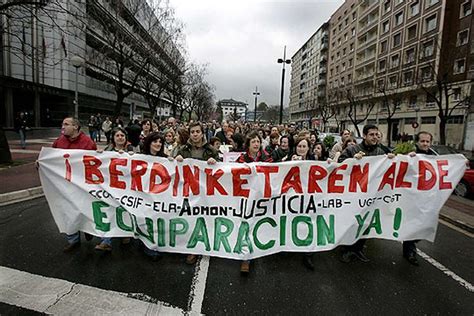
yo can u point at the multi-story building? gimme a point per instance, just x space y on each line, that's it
391 62
232 109
308 78
37 74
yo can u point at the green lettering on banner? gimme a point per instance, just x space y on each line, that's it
374 223
174 222
282 230
294 231
119 211
161 232
257 242
243 239
99 216
149 229
199 234
326 234
220 237
360 222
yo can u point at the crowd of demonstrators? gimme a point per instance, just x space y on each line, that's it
256 143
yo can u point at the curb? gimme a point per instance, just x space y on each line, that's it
20 196
457 223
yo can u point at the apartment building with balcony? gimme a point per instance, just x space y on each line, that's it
395 52
38 77
308 78
232 109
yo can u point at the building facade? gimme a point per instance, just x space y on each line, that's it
232 110
38 76
399 63
308 78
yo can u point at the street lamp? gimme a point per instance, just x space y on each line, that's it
77 62
283 61
256 94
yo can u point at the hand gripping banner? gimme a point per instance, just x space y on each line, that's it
245 211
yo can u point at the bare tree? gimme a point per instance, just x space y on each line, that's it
326 112
390 105
356 105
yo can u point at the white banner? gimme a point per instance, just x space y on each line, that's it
246 211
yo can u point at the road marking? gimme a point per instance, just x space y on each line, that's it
462 231
60 297
198 286
446 271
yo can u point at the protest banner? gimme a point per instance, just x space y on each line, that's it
246 211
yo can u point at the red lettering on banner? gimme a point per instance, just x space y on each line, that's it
176 181
359 177
402 171
443 173
388 177
316 173
138 169
91 169
333 177
237 181
292 181
423 183
212 182
267 170
115 182
191 180
158 170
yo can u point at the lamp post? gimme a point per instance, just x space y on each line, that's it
256 94
77 62
283 61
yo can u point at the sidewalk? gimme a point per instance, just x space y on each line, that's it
21 182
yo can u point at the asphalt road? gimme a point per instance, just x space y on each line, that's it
277 285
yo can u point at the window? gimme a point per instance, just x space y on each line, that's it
426 73
349 78
414 8
354 15
463 37
384 47
457 94
344 51
395 61
345 36
353 31
393 82
459 66
427 49
428 119
429 3
351 47
398 18
430 23
381 84
410 55
411 32
455 119
385 26
386 6
350 62
343 66
346 21
342 81
412 100
397 40
466 9
408 78
382 64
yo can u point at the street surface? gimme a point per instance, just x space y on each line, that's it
36 276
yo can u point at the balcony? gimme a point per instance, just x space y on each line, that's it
322 70
324 46
323 59
322 82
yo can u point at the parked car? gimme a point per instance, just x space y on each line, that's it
465 187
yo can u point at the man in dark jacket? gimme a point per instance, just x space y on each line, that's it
368 147
423 146
198 148
73 138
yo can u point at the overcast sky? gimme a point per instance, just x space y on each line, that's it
241 41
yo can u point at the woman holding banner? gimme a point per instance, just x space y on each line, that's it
154 145
284 151
254 153
119 143
303 152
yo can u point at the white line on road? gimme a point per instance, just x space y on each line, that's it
446 271
198 286
60 297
